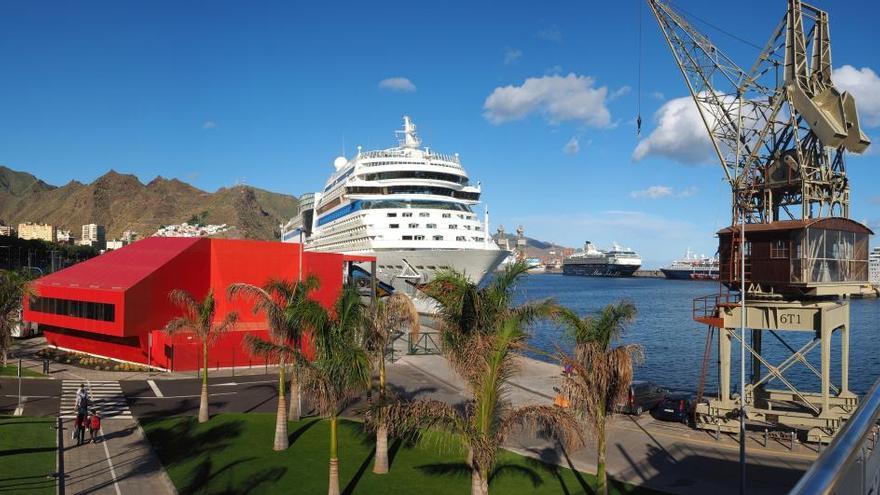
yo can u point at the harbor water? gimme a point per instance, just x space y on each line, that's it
674 344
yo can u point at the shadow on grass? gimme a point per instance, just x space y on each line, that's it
292 437
202 475
31 450
549 462
500 471
181 441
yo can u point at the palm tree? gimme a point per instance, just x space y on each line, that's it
13 289
290 313
600 375
341 368
394 313
466 310
198 318
487 418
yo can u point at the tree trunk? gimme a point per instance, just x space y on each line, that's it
479 483
203 402
295 413
381 464
281 442
601 477
333 486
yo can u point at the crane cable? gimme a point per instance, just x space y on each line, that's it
639 84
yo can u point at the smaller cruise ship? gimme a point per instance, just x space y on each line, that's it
692 267
593 262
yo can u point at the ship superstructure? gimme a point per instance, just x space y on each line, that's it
692 267
411 207
594 262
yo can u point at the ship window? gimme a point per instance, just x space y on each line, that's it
419 238
420 267
478 228
431 225
479 239
394 226
407 238
413 225
438 237
453 226
392 214
460 238
406 214
447 215
432 267
424 214
779 249
398 266
467 227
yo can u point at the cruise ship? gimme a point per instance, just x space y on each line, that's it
692 267
593 262
409 206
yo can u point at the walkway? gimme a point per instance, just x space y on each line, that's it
104 396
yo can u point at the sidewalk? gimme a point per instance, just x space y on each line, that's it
122 463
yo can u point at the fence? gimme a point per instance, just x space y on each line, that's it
426 343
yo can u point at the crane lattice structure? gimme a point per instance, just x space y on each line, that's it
781 131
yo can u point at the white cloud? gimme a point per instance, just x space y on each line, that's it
653 192
864 85
617 93
511 55
209 124
559 98
550 33
658 192
657 95
572 146
680 134
400 84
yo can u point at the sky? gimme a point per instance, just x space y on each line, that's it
538 98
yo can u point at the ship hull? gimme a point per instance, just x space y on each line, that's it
596 270
402 269
673 274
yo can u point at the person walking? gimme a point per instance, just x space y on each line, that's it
94 425
82 395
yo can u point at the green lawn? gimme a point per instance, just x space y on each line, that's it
27 455
12 370
232 454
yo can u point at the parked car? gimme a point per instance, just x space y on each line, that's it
675 407
643 396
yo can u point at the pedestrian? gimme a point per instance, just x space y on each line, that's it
94 426
82 422
82 395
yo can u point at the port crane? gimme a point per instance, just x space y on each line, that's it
781 131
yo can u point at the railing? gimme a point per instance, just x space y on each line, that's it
704 307
850 464
426 343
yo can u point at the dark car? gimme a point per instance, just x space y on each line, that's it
643 396
675 407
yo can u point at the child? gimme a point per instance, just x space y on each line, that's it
94 425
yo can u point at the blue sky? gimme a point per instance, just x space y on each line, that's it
268 93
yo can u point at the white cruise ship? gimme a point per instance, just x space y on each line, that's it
411 207
592 262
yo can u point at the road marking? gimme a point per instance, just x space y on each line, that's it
109 462
20 409
106 397
155 388
146 397
228 384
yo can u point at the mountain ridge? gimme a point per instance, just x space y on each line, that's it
120 202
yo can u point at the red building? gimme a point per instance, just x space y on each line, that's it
116 304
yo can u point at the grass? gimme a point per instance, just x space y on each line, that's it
232 454
12 370
27 455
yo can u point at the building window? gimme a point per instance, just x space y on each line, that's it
447 215
392 214
394 226
438 237
779 249
76 309
460 238
406 214
467 227
453 226
420 238
407 238
431 226
424 214
413 225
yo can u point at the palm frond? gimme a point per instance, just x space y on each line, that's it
558 422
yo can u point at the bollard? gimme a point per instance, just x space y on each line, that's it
717 431
819 448
766 437
45 366
791 447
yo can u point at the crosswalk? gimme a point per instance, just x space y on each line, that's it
105 396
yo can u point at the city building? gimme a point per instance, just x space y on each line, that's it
187 230
130 236
874 266
7 231
40 231
94 233
116 305
64 236
114 244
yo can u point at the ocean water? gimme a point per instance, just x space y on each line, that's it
674 344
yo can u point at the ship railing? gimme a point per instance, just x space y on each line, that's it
706 306
850 464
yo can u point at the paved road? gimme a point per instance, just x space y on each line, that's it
40 396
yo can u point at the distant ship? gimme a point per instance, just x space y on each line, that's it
410 207
692 267
592 262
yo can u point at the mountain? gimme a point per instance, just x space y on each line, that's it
122 202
